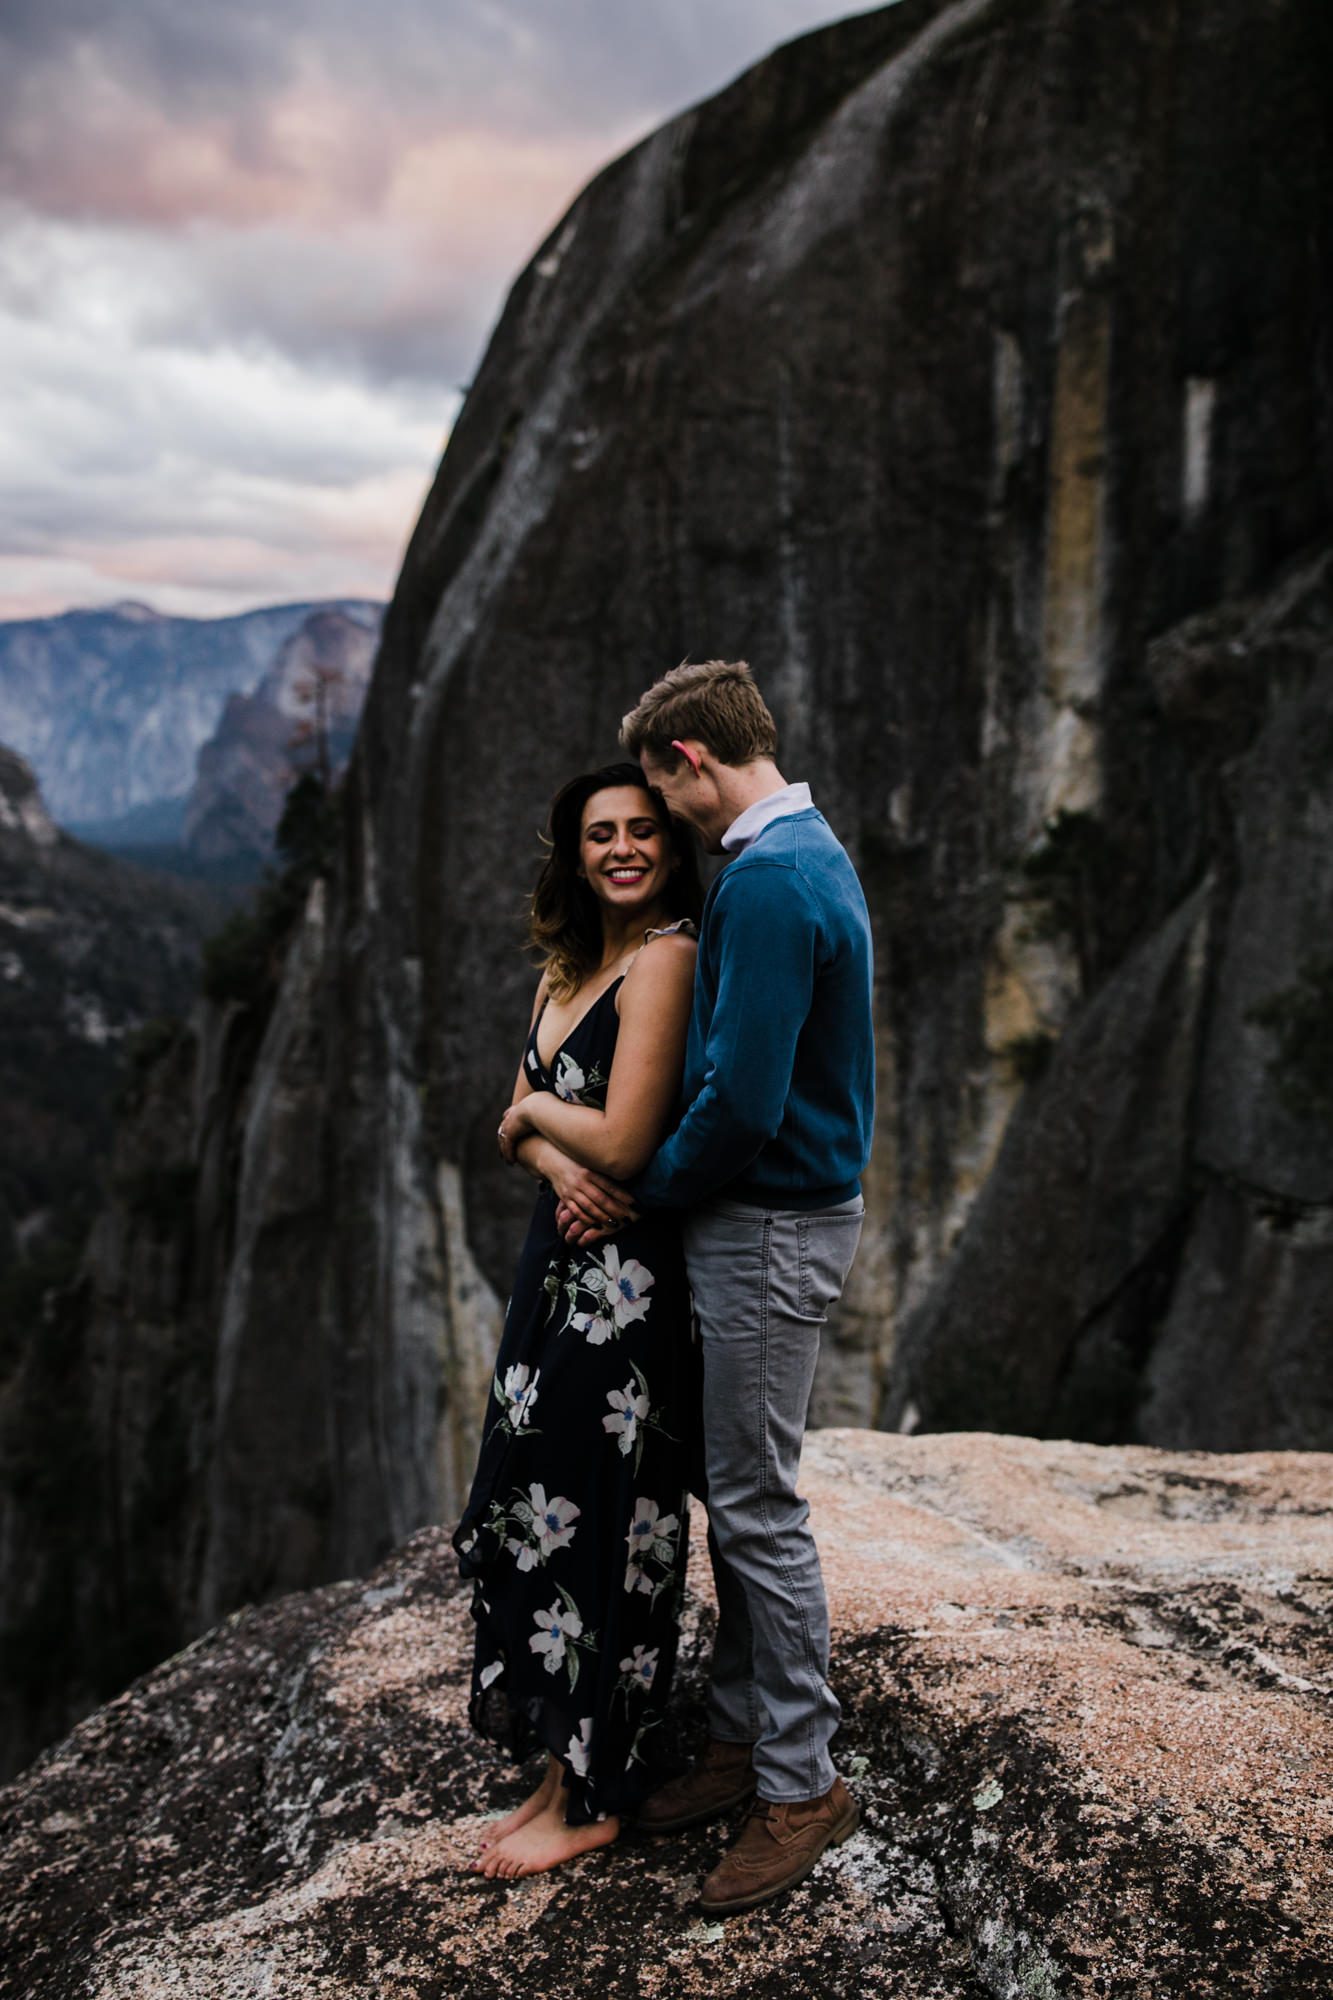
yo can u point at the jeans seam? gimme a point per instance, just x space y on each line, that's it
763 1419
802 1270
778 1564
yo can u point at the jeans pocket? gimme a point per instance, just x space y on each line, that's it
826 1245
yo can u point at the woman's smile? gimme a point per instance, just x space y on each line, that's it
625 850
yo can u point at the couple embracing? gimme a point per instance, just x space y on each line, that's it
696 1097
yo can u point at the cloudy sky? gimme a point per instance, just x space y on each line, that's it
250 248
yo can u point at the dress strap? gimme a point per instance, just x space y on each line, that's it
683 927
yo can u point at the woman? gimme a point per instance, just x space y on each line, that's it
575 1530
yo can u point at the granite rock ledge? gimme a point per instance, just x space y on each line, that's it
1086 1697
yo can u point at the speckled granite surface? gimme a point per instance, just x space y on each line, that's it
1087 1698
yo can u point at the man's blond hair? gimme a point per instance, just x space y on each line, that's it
715 703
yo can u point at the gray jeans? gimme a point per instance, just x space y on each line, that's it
763 1280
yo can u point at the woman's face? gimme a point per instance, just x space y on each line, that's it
624 850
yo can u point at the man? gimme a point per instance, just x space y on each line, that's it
767 1158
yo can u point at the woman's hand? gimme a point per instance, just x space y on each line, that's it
515 1125
599 1203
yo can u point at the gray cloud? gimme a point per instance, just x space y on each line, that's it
258 134
248 250
523 65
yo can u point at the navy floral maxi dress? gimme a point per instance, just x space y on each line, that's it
576 1528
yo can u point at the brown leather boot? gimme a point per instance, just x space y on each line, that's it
778 1847
722 1778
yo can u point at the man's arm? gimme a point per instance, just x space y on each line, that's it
764 942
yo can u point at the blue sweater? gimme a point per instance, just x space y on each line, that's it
779 1083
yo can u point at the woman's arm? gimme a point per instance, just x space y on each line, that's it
655 1005
597 1201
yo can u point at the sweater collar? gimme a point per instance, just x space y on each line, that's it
751 823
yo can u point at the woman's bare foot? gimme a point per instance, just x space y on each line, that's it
497 1829
545 1841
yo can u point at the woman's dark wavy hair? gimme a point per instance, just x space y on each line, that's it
565 925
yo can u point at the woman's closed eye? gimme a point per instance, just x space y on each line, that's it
643 829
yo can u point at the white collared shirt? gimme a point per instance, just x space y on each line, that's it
751 823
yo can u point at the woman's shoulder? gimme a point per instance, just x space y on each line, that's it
673 946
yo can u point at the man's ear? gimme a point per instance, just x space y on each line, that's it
689 751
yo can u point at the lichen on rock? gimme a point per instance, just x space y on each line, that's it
1086 1711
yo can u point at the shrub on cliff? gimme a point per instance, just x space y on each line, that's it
243 961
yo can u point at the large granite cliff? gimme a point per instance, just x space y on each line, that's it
965 367
960 368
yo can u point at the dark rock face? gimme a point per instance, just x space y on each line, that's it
90 950
1087 1186
302 714
94 958
1165 1193
959 368
952 367
1083 1712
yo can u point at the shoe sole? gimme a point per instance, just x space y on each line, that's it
697 1814
837 1834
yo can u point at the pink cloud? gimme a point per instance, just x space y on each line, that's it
313 151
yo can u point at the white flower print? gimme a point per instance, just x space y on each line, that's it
627 1286
649 1522
640 1667
579 1748
520 1394
554 1630
628 1411
552 1521
593 1326
570 1082
651 1536
492 1673
635 1748
604 1294
533 1528
569 1079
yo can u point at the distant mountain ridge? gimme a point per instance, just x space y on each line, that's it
313 691
112 706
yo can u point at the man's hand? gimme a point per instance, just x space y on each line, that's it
588 1201
578 1228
